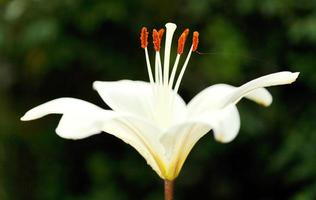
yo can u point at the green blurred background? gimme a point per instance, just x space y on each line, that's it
56 48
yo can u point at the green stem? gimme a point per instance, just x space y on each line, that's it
169 190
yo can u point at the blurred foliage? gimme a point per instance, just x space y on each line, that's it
50 49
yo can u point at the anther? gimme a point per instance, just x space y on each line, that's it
156 40
181 41
161 32
144 38
195 41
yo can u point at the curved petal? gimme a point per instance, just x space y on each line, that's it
126 96
226 124
212 98
180 139
280 78
221 95
134 97
82 119
178 142
141 135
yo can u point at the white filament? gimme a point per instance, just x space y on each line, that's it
150 74
174 70
156 69
159 68
182 71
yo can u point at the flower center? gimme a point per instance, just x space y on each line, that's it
163 83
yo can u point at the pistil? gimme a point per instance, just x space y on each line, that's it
157 36
169 35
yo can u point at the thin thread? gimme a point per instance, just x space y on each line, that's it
262 61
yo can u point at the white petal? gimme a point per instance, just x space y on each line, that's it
178 142
80 118
126 96
212 98
180 139
227 124
134 97
280 78
141 135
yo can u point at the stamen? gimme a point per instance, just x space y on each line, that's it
144 38
182 40
181 43
176 87
195 41
156 40
157 36
144 44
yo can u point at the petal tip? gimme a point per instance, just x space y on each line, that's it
222 139
24 118
27 117
265 104
295 75
268 101
95 85
64 134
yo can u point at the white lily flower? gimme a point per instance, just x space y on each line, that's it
152 117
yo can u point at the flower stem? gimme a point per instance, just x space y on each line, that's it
168 190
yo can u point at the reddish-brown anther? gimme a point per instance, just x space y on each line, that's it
156 40
195 40
144 38
161 32
181 41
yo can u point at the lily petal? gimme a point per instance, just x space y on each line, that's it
226 125
180 139
280 78
142 136
212 98
82 119
178 142
221 95
134 97
224 122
